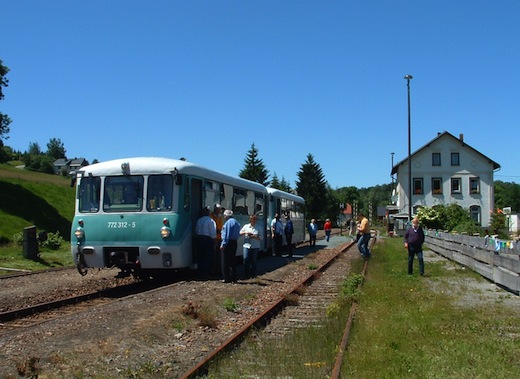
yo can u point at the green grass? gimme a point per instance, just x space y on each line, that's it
31 198
405 329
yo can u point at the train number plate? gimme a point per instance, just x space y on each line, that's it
121 225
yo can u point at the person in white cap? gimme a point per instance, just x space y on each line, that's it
228 247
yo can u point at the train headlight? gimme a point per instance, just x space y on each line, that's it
165 232
79 233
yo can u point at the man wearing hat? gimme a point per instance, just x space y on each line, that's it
228 246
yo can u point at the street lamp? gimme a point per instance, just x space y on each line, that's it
408 78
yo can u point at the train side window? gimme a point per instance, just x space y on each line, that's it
89 194
159 193
240 201
211 194
226 199
259 204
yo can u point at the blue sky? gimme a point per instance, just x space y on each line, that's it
205 80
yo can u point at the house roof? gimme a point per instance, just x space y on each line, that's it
446 134
61 162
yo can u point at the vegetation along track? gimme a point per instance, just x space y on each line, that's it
303 306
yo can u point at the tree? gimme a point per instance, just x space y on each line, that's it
4 119
280 184
312 186
55 149
33 157
285 185
507 195
254 168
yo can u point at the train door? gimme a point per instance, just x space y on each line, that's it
195 210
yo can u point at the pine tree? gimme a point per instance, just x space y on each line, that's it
285 186
275 182
254 168
312 186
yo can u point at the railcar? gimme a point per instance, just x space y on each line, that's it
286 204
138 214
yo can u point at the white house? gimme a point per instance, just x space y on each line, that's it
447 171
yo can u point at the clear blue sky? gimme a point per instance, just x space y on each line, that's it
206 79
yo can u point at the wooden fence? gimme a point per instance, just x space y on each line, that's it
496 260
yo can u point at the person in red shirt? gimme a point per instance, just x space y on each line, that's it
328 228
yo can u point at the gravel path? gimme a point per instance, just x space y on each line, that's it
144 335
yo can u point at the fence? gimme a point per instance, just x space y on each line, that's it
495 259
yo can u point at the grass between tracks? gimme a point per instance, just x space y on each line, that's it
405 327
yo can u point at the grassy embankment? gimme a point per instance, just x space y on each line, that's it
30 198
405 327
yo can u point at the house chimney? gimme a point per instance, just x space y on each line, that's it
461 137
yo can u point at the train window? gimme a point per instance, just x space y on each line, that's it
211 194
226 199
159 193
240 201
259 204
89 194
187 191
123 193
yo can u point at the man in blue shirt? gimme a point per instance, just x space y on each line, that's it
228 246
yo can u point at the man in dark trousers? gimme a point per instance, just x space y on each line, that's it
413 241
289 231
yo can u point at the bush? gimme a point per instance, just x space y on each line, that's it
18 238
451 218
53 241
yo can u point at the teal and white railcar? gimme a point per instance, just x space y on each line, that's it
285 203
138 214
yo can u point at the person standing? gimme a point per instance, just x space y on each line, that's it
216 216
205 234
289 231
363 230
251 247
277 234
413 241
313 231
328 228
228 246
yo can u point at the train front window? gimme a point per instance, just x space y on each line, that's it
159 193
88 194
123 193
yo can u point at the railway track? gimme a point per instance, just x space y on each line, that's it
37 313
103 328
282 318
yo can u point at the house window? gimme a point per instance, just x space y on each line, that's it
436 159
455 159
418 186
474 185
456 185
437 186
474 212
